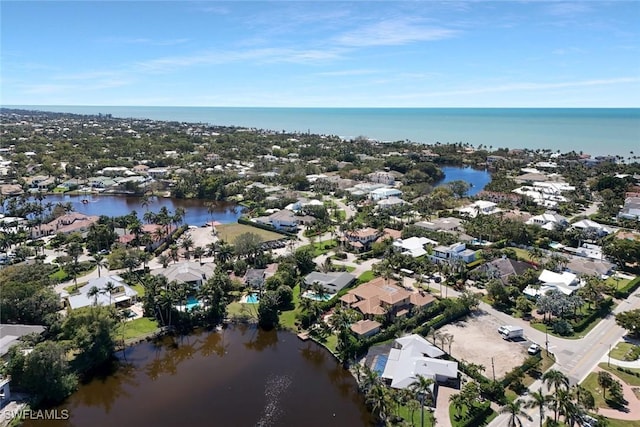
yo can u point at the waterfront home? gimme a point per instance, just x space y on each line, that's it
192 273
11 190
255 277
121 296
413 246
113 171
411 356
284 220
564 282
332 282
158 233
504 268
452 253
382 297
365 328
158 172
10 335
390 203
73 222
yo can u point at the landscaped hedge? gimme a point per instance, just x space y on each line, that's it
245 221
586 321
479 416
529 363
170 239
628 289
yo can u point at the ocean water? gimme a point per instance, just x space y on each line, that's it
597 131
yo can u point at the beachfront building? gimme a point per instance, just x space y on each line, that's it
121 294
411 356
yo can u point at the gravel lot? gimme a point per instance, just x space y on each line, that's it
476 340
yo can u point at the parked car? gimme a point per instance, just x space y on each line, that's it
533 349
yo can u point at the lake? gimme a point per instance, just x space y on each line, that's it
241 376
196 210
477 178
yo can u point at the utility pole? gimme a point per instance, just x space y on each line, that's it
609 356
493 368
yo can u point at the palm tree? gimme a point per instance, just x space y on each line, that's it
422 387
559 381
100 262
605 380
163 260
93 293
377 398
198 252
457 401
110 288
515 410
538 400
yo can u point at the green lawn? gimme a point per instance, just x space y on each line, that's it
616 283
366 276
621 423
591 384
229 232
137 328
630 379
237 309
139 289
332 342
620 350
522 254
462 420
405 413
574 336
547 362
288 318
321 248
59 276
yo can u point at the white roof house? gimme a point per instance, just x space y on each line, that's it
547 220
564 282
122 294
413 246
412 356
482 207
587 224
384 193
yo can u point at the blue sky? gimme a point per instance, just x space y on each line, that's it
321 54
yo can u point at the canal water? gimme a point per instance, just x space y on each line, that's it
241 376
197 212
477 178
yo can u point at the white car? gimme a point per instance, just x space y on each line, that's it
533 349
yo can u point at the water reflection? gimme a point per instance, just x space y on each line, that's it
240 376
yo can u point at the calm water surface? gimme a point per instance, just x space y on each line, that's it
478 178
241 376
197 211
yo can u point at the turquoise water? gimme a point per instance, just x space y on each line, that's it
315 297
596 131
477 178
253 299
381 363
192 302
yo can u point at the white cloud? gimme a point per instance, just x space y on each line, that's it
393 33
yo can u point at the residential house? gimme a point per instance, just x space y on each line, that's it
564 282
452 253
158 172
384 193
548 221
411 356
284 220
382 177
390 203
382 297
332 282
591 267
10 335
631 209
255 277
192 273
504 268
361 239
73 222
480 207
150 229
365 328
592 227
448 224
114 171
413 246
122 296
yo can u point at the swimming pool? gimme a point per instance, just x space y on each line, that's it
192 302
252 299
312 295
380 364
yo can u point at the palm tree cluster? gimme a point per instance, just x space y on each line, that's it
571 403
386 403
